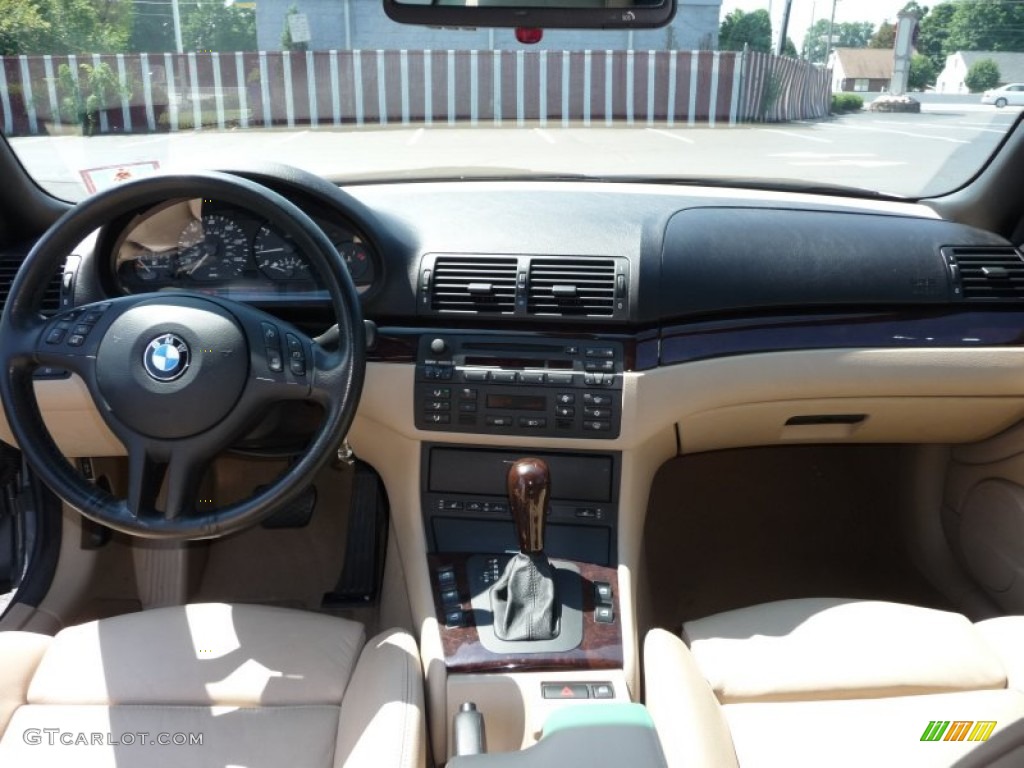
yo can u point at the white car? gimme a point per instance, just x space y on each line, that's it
1005 95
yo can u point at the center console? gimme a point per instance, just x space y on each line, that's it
522 562
521 543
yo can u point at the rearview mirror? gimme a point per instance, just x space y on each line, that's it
547 14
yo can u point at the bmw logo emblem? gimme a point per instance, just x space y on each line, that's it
166 358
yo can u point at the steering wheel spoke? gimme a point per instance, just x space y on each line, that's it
151 469
145 478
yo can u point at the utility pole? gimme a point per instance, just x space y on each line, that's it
177 26
810 30
831 27
781 45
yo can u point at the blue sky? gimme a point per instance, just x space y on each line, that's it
804 11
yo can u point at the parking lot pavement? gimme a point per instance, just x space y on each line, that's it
901 154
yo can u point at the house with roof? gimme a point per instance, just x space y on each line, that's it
951 79
861 70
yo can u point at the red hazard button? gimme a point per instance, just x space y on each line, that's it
565 691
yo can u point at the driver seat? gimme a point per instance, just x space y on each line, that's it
258 686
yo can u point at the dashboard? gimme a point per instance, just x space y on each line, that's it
210 247
591 315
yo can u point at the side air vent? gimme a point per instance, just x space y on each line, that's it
473 284
9 268
572 287
986 273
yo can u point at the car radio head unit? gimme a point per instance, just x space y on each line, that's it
504 385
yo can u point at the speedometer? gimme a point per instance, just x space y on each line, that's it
212 248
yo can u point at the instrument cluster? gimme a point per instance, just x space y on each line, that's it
209 247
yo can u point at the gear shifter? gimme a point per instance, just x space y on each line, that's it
523 599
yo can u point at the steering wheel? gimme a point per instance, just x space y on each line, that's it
178 377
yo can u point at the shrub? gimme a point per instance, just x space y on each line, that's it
846 102
982 75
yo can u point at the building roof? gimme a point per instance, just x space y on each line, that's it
864 63
1011 65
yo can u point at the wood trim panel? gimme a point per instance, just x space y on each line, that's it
601 647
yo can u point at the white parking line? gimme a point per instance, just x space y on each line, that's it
794 135
290 137
150 140
416 136
898 133
974 127
1008 124
848 163
544 135
822 155
668 135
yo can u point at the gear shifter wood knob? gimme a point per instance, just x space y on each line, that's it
529 486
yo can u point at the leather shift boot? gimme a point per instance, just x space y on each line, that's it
523 600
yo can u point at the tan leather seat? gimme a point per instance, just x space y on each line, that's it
815 682
259 686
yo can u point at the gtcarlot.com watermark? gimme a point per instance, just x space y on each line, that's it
56 737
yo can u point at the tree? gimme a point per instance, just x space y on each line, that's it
982 75
885 37
855 34
153 30
23 28
933 32
922 73
916 9
63 26
789 49
739 29
212 26
986 25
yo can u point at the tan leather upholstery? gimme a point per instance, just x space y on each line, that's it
260 686
833 682
825 648
689 720
20 653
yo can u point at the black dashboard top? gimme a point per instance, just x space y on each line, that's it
678 252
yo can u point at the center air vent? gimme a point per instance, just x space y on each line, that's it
572 287
995 273
474 284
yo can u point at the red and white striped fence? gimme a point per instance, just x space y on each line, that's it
334 88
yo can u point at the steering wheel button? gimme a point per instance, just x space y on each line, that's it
56 336
297 368
270 335
91 317
82 329
274 361
76 340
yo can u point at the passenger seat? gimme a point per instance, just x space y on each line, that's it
825 681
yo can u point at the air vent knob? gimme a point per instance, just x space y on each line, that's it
438 346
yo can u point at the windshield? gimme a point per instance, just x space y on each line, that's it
874 96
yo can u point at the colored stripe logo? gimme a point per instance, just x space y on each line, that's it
958 730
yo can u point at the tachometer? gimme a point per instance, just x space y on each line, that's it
212 248
278 258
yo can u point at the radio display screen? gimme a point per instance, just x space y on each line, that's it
518 402
517 363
